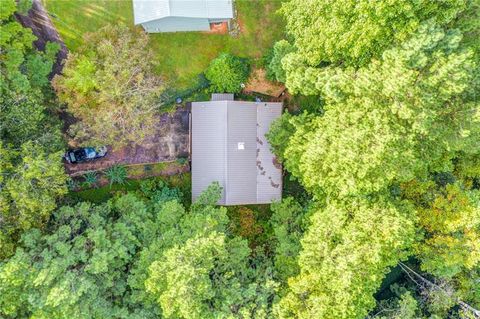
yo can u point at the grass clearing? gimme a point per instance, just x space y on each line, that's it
181 56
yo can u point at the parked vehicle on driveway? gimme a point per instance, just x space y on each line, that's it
85 154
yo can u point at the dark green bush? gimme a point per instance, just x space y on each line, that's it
226 73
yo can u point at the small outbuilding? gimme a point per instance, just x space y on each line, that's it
229 147
181 15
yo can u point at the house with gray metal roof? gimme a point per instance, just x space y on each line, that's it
181 15
228 146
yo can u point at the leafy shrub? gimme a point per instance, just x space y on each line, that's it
90 178
72 185
226 73
274 68
166 194
116 174
182 160
159 190
149 186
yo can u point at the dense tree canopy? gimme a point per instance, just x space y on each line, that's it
32 186
399 105
31 172
110 85
180 264
25 92
400 117
289 221
390 159
274 67
452 230
346 253
350 32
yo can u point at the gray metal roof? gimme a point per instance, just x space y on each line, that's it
222 97
149 10
229 146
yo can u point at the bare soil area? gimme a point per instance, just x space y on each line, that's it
171 141
258 83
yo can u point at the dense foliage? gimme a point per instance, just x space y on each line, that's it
396 135
110 85
402 116
31 172
227 73
351 32
346 251
135 257
382 161
274 67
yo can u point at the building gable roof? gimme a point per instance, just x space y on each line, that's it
150 10
229 146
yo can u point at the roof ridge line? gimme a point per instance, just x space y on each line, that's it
226 151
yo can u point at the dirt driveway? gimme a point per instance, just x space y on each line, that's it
171 141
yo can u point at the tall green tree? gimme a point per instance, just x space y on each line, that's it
349 32
449 249
135 257
110 85
77 270
25 91
402 116
347 250
32 187
452 226
274 67
32 175
198 270
289 222
399 81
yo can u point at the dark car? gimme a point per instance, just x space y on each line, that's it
85 154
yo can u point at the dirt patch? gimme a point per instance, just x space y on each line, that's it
258 83
170 142
269 10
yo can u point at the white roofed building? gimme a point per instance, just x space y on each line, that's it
181 15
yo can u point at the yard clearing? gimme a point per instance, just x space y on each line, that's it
181 56
171 141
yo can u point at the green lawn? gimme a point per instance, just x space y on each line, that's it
181 56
